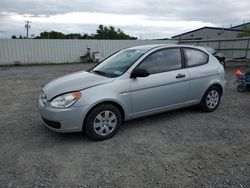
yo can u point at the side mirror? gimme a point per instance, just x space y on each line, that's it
139 73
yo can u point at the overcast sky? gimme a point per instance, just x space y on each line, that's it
141 18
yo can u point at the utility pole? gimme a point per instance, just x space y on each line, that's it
27 26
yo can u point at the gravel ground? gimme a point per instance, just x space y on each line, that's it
183 148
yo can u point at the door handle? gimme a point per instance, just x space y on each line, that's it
180 76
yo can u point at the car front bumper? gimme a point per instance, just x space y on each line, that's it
63 120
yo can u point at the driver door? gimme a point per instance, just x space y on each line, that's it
167 85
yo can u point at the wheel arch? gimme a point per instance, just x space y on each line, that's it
116 104
213 84
203 103
219 86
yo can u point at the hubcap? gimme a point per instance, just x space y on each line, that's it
105 123
212 99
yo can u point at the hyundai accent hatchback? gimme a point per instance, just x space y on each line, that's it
132 83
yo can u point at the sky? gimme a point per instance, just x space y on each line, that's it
145 19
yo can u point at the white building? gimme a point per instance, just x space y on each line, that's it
241 26
212 33
209 33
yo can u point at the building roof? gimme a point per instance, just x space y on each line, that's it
241 25
215 28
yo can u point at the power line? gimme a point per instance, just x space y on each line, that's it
27 26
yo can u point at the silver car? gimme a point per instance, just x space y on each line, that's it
132 83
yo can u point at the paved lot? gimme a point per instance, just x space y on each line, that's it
184 148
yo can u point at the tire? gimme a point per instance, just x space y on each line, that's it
248 87
102 122
241 88
211 99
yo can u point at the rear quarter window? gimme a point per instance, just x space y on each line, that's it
195 57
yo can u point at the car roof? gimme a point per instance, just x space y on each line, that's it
145 48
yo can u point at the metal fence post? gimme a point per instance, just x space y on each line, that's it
247 48
219 45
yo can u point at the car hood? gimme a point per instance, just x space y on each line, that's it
73 82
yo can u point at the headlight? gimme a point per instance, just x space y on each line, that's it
65 100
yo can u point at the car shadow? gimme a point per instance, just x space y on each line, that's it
64 137
161 116
61 138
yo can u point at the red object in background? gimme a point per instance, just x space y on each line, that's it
239 73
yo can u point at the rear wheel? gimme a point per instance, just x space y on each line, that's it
211 99
241 88
103 122
248 87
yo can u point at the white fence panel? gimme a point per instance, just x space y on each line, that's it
232 48
37 51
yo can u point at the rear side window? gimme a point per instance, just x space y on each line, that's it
195 57
162 61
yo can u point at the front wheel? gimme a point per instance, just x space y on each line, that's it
211 99
103 122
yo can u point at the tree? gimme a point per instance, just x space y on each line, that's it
104 32
51 35
86 36
245 31
73 36
13 37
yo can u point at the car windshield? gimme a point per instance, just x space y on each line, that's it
118 63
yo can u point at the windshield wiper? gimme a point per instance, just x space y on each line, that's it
100 73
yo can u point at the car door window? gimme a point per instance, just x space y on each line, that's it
195 57
162 61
